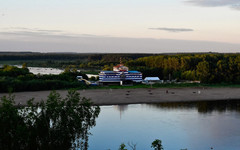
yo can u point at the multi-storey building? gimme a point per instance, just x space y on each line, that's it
120 74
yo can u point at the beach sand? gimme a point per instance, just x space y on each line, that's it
138 96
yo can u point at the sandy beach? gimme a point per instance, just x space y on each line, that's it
137 96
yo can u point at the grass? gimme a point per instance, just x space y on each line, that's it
167 85
219 85
94 72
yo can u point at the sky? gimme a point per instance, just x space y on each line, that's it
117 26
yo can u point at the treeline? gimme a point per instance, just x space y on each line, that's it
68 56
13 79
61 60
41 56
207 68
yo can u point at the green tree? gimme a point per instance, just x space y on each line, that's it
185 63
24 65
55 124
157 145
222 72
122 147
107 68
203 71
188 75
237 62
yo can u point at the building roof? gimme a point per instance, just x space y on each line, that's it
120 67
121 71
151 78
108 71
133 71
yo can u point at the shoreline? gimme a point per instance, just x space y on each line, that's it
138 96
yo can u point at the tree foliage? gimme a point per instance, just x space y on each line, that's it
203 71
208 68
157 145
55 124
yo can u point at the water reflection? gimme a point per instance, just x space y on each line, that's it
201 106
121 109
191 125
43 71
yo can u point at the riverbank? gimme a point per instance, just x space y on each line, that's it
137 96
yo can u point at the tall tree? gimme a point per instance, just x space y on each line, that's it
203 71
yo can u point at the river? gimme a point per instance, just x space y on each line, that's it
47 70
192 126
195 126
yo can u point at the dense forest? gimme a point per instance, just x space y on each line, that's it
204 67
63 60
208 68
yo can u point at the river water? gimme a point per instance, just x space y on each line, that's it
192 126
195 126
54 71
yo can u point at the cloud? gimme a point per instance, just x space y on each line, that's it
30 31
38 33
234 4
39 40
115 45
173 29
236 7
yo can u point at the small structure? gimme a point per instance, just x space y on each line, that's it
120 67
152 80
80 78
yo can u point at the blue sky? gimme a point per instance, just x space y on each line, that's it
119 25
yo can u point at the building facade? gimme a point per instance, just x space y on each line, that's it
119 75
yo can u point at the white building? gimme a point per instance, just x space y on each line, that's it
152 80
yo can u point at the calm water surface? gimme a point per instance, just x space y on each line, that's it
40 70
55 71
179 125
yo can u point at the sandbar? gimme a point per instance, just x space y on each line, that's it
139 95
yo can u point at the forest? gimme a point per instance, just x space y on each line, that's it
63 60
204 67
207 68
